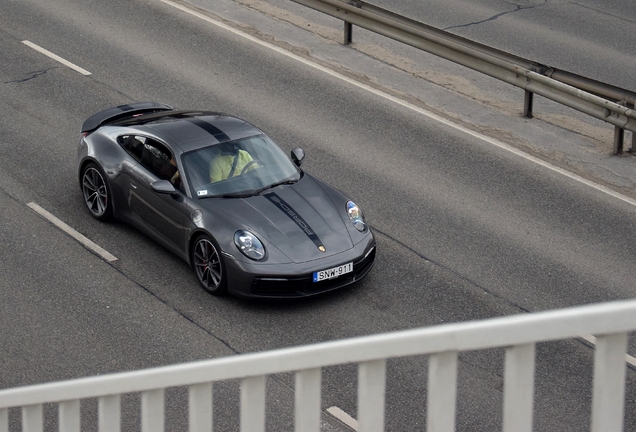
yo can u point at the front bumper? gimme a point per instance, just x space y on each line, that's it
296 280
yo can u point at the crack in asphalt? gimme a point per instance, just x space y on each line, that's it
34 75
604 13
494 17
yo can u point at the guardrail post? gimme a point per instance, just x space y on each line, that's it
632 148
619 135
348 32
527 104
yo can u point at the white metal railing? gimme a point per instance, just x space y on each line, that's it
518 334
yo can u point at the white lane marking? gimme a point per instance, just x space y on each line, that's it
408 105
70 231
56 57
343 417
629 359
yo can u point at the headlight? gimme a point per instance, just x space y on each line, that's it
355 214
249 245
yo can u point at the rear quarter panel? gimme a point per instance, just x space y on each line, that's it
102 148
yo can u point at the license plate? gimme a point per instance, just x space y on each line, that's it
333 273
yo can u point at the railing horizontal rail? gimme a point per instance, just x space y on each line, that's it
599 319
589 96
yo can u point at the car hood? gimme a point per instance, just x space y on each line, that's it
300 220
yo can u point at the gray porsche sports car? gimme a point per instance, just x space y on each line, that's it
220 194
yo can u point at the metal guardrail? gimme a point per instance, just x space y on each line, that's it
518 334
603 101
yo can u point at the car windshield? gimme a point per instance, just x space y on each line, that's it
238 168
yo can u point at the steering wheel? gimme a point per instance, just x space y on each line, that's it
248 165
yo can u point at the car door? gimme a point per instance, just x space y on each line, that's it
161 215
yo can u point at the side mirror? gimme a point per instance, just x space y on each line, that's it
163 187
297 155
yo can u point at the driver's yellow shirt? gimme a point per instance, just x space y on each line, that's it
221 165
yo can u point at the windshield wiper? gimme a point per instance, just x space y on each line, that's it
246 194
236 195
284 182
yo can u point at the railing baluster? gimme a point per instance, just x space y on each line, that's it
307 400
253 404
200 407
442 391
4 420
152 415
519 388
69 413
371 387
608 399
109 408
32 418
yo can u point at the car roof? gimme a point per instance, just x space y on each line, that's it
190 130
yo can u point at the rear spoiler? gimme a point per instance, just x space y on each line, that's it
122 111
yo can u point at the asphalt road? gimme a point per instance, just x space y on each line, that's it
465 230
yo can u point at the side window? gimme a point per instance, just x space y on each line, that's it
154 156
159 160
133 145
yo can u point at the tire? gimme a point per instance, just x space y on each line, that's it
208 265
96 192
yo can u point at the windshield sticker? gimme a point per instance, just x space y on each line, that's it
304 226
202 192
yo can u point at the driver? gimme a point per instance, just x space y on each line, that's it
230 161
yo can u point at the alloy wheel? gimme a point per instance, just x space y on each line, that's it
208 266
95 192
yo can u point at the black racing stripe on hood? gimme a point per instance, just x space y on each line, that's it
294 216
210 128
